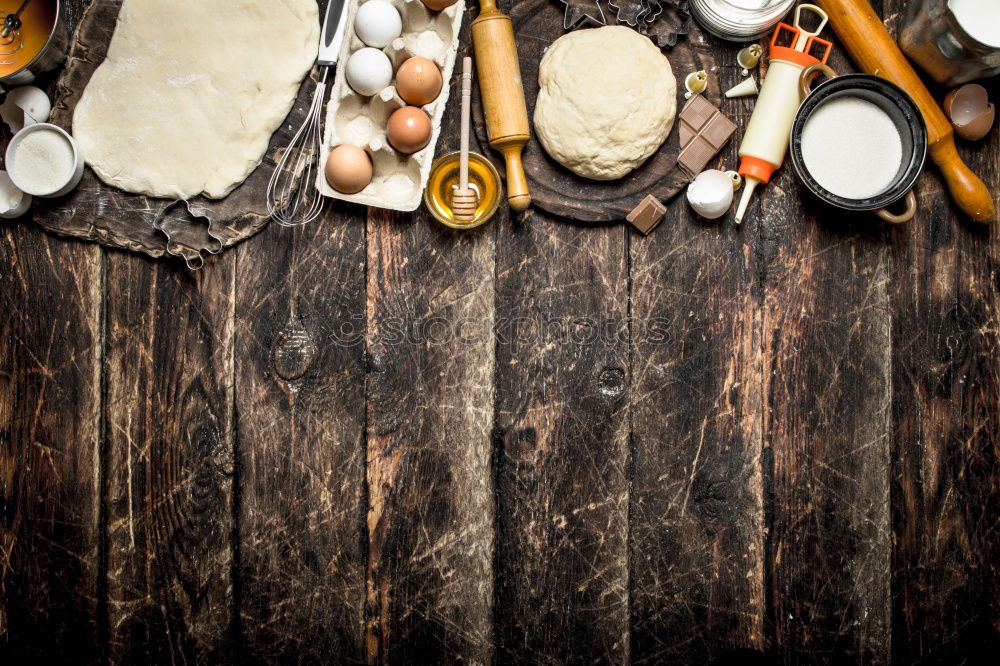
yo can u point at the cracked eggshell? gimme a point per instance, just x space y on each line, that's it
24 104
13 202
970 111
711 193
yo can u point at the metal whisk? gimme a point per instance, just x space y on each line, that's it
292 197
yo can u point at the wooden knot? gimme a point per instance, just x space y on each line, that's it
293 352
612 382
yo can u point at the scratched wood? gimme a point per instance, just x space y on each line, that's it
826 341
50 353
169 367
946 522
697 514
561 443
429 395
300 427
376 440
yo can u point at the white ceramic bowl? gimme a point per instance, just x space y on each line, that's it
11 160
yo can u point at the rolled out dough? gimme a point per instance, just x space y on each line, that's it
191 90
606 102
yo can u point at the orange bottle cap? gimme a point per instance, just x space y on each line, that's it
754 167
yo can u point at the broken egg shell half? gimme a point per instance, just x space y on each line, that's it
25 103
969 109
13 202
711 193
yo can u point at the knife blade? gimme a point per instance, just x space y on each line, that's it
332 36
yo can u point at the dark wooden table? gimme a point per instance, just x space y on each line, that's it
372 439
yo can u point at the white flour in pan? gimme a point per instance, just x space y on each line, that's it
852 148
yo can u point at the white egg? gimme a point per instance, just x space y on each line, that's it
368 71
711 193
377 23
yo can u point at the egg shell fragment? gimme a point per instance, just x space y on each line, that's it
711 193
13 202
25 105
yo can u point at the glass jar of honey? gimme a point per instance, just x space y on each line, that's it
483 178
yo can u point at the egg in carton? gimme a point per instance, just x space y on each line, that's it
398 180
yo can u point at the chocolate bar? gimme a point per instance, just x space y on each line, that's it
703 133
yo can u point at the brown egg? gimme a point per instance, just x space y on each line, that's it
408 129
348 169
438 5
418 81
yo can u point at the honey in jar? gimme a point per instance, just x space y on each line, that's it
483 178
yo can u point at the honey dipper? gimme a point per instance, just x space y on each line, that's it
464 199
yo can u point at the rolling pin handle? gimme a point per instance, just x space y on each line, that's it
517 185
967 189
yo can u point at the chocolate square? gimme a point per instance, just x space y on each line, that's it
647 214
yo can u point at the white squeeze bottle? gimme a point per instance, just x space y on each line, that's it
765 141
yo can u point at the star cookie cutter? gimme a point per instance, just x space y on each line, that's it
579 12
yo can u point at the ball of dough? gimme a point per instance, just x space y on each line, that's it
607 101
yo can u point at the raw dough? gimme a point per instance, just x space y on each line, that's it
607 101
192 90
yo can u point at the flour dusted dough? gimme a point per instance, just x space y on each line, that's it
607 101
192 90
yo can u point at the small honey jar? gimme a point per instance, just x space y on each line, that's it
483 178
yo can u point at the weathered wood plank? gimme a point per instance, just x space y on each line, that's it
562 443
170 460
697 516
430 408
300 440
826 340
946 393
50 359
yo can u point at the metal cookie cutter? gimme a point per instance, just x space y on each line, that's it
579 12
665 28
188 235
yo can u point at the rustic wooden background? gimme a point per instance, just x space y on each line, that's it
784 442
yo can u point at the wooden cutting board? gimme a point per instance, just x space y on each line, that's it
538 23
135 222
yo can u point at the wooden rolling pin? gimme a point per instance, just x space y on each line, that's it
874 50
503 95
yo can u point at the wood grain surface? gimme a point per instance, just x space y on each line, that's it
374 440
299 400
699 458
168 405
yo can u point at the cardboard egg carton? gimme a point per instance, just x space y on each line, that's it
399 179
